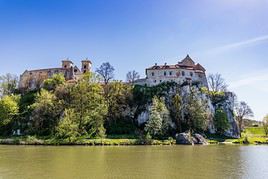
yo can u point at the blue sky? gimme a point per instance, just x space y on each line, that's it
226 36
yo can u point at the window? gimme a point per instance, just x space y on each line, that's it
170 73
165 73
152 73
191 74
65 66
155 81
160 81
183 73
85 66
75 70
85 71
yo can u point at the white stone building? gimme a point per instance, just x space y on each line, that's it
184 71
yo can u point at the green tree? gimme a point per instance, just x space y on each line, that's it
221 121
46 112
120 114
9 110
159 119
54 82
89 106
265 124
68 126
195 112
176 109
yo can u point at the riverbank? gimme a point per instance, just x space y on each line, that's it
253 136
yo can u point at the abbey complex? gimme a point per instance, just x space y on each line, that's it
181 90
184 71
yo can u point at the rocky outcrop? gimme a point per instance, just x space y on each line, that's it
187 139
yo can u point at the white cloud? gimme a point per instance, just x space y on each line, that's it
258 80
241 44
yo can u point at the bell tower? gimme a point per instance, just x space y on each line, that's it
86 66
67 64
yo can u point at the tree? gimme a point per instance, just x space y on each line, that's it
176 109
54 82
159 119
46 112
265 124
132 76
68 126
221 121
106 71
242 111
216 83
120 114
9 109
195 112
89 106
8 84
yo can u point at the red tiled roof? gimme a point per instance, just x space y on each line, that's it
186 63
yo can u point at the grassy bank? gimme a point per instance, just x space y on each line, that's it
251 135
30 140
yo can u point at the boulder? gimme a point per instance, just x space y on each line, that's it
186 139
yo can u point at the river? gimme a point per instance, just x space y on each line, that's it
134 162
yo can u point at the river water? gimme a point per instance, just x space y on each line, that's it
134 162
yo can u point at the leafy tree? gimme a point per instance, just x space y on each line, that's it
89 107
120 111
242 111
52 83
265 124
176 109
195 112
132 76
221 121
159 119
106 71
68 126
9 110
46 113
8 84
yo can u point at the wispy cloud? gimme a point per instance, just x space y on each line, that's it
241 44
258 80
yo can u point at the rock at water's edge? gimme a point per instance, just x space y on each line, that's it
187 139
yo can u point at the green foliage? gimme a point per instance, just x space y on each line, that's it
195 112
120 114
9 110
89 106
265 124
45 113
159 119
52 83
68 126
176 111
221 121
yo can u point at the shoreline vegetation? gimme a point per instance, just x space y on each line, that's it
251 136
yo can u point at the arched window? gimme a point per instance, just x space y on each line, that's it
152 73
183 73
191 74
165 73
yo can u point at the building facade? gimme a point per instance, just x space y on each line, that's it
184 71
32 79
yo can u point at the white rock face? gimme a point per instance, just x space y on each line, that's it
228 107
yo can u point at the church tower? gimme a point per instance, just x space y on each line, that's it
67 64
86 66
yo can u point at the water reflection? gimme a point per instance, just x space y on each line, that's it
134 162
